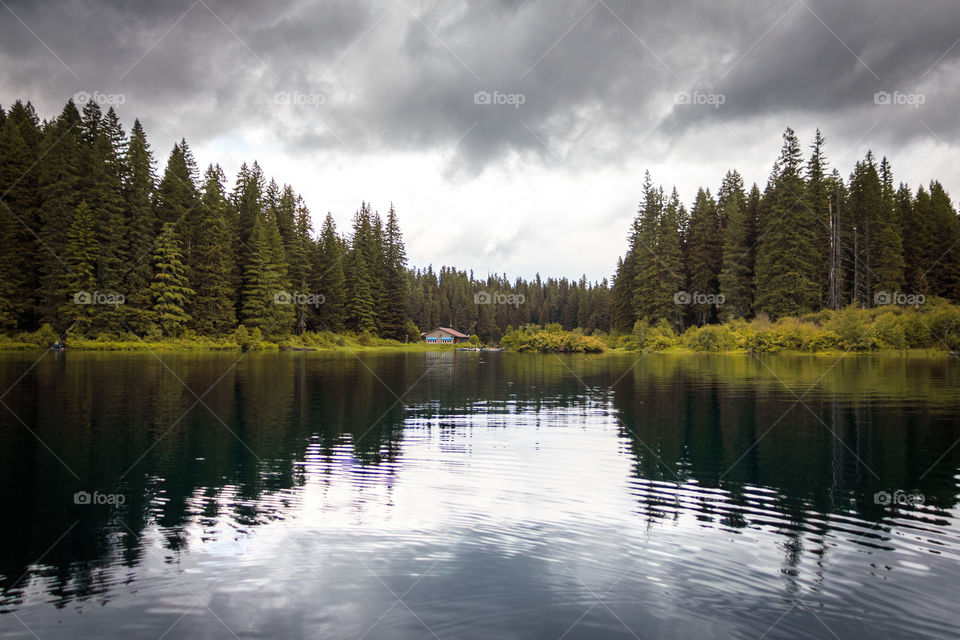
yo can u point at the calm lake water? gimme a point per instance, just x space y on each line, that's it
478 495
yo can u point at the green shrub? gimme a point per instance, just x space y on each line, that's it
824 340
944 325
889 332
711 337
850 324
43 337
915 331
554 339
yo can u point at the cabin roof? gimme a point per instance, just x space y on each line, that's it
452 332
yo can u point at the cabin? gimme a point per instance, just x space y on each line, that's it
444 335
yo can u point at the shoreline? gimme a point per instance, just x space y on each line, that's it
180 346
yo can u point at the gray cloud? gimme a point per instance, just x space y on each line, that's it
598 79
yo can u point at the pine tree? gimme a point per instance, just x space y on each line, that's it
169 289
643 250
19 141
59 180
864 208
787 260
621 296
888 240
361 296
668 275
176 194
213 307
329 278
838 288
818 199
8 273
101 186
395 286
944 272
266 295
299 253
704 253
735 279
81 256
140 224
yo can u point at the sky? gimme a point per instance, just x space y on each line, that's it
512 136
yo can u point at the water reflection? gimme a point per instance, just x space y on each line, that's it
527 485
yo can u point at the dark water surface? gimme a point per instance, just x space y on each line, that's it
478 495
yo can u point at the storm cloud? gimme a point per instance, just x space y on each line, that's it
494 93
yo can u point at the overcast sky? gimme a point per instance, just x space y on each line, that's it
511 135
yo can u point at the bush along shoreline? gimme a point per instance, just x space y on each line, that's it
934 327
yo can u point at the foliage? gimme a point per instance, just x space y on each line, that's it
551 339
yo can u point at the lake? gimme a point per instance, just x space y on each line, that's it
478 495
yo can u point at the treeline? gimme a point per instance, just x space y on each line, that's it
492 307
94 242
808 241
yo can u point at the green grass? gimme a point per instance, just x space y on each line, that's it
933 328
239 340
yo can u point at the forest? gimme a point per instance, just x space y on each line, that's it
809 241
96 241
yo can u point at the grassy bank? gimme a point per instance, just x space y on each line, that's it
931 329
240 340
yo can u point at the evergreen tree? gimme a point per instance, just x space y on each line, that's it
735 279
8 273
944 272
704 254
101 187
643 241
177 194
266 295
19 140
59 179
213 308
888 240
361 289
395 285
864 206
818 199
329 277
169 289
299 258
668 274
787 260
81 256
140 225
